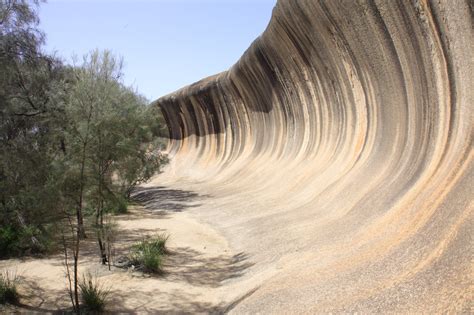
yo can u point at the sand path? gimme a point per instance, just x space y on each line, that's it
200 263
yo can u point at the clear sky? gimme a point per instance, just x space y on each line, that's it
166 44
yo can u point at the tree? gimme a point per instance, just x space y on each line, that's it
74 142
109 139
32 89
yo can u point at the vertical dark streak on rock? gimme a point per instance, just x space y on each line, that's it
338 150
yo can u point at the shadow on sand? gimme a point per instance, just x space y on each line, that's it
161 200
188 265
183 264
178 304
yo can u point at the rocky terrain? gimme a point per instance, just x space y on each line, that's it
336 157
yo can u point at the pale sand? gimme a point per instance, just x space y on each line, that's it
199 263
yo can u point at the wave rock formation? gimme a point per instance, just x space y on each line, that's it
338 153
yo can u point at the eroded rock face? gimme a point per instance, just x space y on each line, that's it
342 139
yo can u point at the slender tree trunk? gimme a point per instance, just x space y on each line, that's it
100 227
76 280
80 219
73 281
68 272
100 208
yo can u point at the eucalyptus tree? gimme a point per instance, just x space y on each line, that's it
32 89
109 139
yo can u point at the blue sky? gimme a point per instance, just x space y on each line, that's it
166 44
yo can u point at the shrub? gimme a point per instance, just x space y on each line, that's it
121 205
8 291
33 240
155 243
9 241
151 260
117 205
93 295
148 253
21 240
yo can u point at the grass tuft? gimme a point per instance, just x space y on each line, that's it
93 295
8 290
155 243
148 253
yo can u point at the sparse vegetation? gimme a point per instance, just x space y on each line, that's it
148 254
120 206
74 143
73 138
107 236
94 295
157 243
8 288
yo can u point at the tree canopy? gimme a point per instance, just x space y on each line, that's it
74 140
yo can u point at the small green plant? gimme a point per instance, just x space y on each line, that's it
8 291
148 253
155 243
151 260
93 295
119 205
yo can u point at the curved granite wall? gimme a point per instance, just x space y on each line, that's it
342 139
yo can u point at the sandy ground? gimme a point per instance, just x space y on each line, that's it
199 263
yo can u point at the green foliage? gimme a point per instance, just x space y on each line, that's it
110 132
74 140
120 206
8 290
8 241
18 240
77 138
148 260
109 139
156 243
116 204
94 296
32 87
148 254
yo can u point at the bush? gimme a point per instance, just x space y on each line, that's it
8 291
21 240
93 295
117 205
122 206
148 254
9 241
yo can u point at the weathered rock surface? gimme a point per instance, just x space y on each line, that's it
337 153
